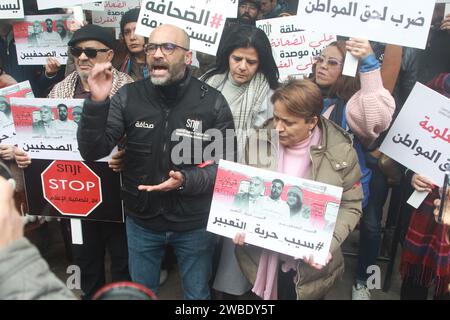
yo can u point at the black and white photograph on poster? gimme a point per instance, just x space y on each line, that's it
40 37
7 130
47 128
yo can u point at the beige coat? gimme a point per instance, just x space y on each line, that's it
334 162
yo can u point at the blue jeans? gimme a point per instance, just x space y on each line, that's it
370 225
193 249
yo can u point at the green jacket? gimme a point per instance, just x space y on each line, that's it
334 162
24 275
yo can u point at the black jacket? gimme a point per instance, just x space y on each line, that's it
157 127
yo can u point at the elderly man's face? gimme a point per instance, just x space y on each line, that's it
166 68
84 64
46 114
256 187
37 27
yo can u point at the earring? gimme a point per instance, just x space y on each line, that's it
310 132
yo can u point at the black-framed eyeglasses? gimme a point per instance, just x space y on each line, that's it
166 48
89 52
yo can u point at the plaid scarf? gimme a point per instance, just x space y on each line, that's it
426 253
66 88
441 84
246 102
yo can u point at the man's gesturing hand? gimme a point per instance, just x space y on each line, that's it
174 182
100 81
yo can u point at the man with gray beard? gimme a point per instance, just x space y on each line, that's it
166 197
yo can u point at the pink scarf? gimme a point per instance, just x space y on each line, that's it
294 161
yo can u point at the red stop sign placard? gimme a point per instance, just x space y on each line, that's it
71 187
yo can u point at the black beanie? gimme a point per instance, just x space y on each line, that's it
129 16
93 32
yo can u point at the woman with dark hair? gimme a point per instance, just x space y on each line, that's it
295 203
363 107
246 74
309 147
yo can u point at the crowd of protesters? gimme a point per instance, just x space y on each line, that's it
329 127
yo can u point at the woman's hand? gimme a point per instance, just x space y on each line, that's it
445 24
6 80
6 152
23 160
239 239
317 266
420 183
116 162
437 204
359 48
52 67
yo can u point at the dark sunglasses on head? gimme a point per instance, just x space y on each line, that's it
89 52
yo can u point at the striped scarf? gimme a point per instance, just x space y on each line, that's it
245 103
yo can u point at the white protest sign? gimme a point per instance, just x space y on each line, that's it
47 128
293 48
7 129
298 221
40 37
203 20
113 12
404 23
48 4
11 9
95 6
420 136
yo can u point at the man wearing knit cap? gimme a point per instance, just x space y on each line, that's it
89 46
248 11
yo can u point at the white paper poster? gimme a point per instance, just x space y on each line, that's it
7 130
293 48
113 12
278 212
11 9
203 20
419 139
47 128
48 4
405 23
40 37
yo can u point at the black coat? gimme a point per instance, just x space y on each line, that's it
157 126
